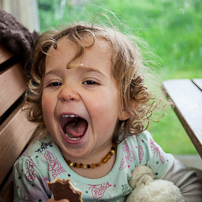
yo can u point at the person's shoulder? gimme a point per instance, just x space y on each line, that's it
142 140
134 141
144 136
38 147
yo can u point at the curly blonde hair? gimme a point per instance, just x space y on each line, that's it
128 71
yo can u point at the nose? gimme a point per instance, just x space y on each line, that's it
69 94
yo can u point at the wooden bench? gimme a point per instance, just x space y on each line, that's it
15 130
187 97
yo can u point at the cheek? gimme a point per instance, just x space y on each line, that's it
104 119
105 108
47 108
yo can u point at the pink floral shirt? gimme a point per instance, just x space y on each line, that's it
43 162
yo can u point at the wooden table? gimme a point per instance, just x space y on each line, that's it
187 97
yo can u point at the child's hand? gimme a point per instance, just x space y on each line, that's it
53 200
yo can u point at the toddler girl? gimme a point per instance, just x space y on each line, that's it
88 96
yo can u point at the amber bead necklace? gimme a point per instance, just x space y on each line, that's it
84 166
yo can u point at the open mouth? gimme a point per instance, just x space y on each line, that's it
73 127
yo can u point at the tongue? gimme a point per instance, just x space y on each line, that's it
76 129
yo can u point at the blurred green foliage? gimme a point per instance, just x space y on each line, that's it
172 28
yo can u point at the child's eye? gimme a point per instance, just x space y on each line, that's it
89 82
55 84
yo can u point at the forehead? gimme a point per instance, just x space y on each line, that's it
67 50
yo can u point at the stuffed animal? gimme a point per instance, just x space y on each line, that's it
146 189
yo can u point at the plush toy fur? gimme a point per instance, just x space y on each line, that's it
146 189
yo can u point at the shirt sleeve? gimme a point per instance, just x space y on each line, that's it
29 184
186 180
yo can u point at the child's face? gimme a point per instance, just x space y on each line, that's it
81 104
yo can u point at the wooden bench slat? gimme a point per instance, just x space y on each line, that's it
14 136
15 130
188 101
198 82
4 54
12 86
9 63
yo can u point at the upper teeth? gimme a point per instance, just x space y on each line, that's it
69 115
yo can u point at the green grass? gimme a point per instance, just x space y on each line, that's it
172 28
171 136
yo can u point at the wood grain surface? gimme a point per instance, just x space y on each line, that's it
14 136
12 86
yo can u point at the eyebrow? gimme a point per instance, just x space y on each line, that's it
52 71
90 69
83 68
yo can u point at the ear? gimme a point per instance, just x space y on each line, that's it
124 115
